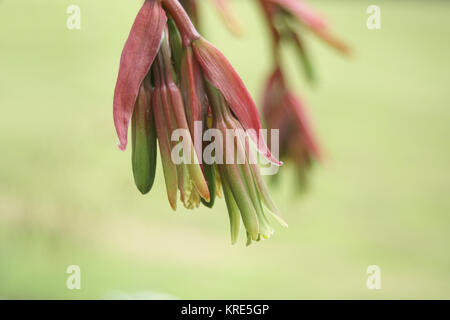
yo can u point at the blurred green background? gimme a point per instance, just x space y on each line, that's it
67 195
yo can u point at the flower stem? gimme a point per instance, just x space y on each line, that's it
269 14
185 26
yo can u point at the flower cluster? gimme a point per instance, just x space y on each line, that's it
282 108
171 78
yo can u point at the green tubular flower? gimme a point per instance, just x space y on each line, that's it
143 141
244 190
169 168
196 104
233 210
170 113
170 80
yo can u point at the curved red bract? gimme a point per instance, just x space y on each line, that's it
219 71
137 56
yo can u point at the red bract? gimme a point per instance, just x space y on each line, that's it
137 57
244 189
219 71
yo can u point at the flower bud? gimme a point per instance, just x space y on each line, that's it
242 184
143 142
165 147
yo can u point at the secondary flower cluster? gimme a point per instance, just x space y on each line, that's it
283 110
281 107
170 77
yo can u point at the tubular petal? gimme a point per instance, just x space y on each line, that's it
233 177
210 175
143 142
255 185
233 211
195 171
169 168
192 89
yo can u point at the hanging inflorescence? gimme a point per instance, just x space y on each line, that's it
172 80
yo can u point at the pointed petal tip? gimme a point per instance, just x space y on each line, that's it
206 196
122 146
144 191
280 219
173 205
274 160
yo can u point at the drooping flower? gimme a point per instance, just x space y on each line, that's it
143 140
244 189
164 71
